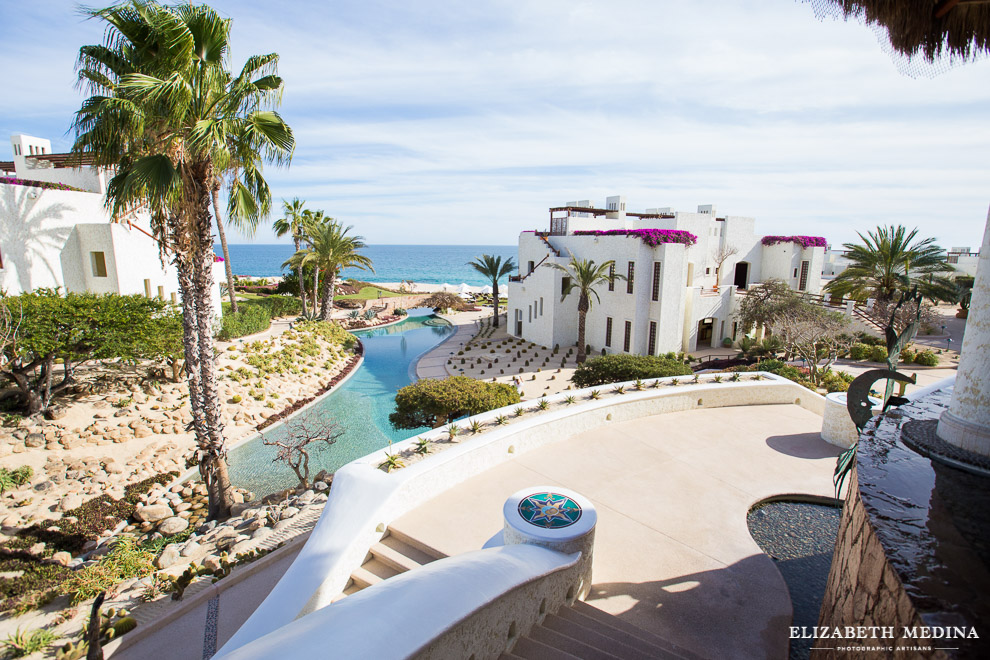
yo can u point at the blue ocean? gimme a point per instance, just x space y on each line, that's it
427 264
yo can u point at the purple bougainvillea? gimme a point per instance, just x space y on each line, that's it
803 241
46 185
652 237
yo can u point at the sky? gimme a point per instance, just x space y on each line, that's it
451 122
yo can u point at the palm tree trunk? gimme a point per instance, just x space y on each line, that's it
212 445
223 245
495 296
302 283
583 305
316 288
326 300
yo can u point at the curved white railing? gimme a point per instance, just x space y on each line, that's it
414 607
364 500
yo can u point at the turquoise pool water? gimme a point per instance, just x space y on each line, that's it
361 406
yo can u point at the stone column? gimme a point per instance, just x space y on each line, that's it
967 422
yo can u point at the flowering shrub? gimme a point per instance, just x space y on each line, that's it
803 241
218 259
652 237
47 185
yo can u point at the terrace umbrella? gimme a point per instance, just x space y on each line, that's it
447 288
464 289
946 30
487 290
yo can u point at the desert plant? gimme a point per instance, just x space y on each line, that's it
16 477
422 446
21 643
453 431
926 358
717 379
476 427
543 404
568 400
391 462
594 394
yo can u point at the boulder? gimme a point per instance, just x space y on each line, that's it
173 525
62 558
211 562
288 512
170 556
306 497
70 502
152 513
34 440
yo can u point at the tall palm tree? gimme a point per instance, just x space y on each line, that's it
293 222
249 198
493 269
331 250
583 275
890 261
162 112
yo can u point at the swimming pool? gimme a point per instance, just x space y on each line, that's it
361 406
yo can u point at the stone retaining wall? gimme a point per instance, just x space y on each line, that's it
864 590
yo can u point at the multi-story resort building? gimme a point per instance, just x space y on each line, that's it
56 232
684 274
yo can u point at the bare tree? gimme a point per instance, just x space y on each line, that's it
305 434
720 255
10 325
883 310
813 334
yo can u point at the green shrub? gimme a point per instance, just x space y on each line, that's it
20 644
619 368
277 305
878 354
835 381
871 340
860 351
125 560
907 355
16 477
926 358
433 402
248 320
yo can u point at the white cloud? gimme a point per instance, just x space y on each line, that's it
451 122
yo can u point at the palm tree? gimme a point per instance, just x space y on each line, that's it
583 275
293 223
494 269
891 261
330 250
163 113
248 197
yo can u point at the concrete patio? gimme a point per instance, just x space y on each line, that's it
673 554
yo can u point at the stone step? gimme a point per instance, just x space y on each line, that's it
569 644
530 649
397 535
603 617
602 637
411 551
372 572
398 560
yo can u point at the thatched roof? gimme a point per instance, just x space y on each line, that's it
930 28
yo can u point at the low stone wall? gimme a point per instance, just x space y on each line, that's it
864 590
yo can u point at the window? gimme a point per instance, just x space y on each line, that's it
608 330
795 272
532 266
735 329
536 309
803 284
653 338
99 263
656 281
541 305
708 271
611 277
627 337
629 278
565 283
530 308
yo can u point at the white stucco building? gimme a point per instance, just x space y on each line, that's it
65 238
671 299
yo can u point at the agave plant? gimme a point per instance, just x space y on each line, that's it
453 430
422 446
501 420
476 427
519 411
717 379
674 382
734 378
639 385
594 395
758 377
618 389
391 462
568 400
656 383
543 404
697 378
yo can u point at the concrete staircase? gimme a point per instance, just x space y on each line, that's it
583 632
395 553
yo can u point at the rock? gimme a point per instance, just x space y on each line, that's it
261 533
152 513
239 508
320 485
211 562
34 440
70 502
182 506
55 412
320 499
242 546
36 549
306 497
288 512
170 556
173 525
238 498
44 486
62 558
190 549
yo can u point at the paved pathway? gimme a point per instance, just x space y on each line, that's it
673 553
433 364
